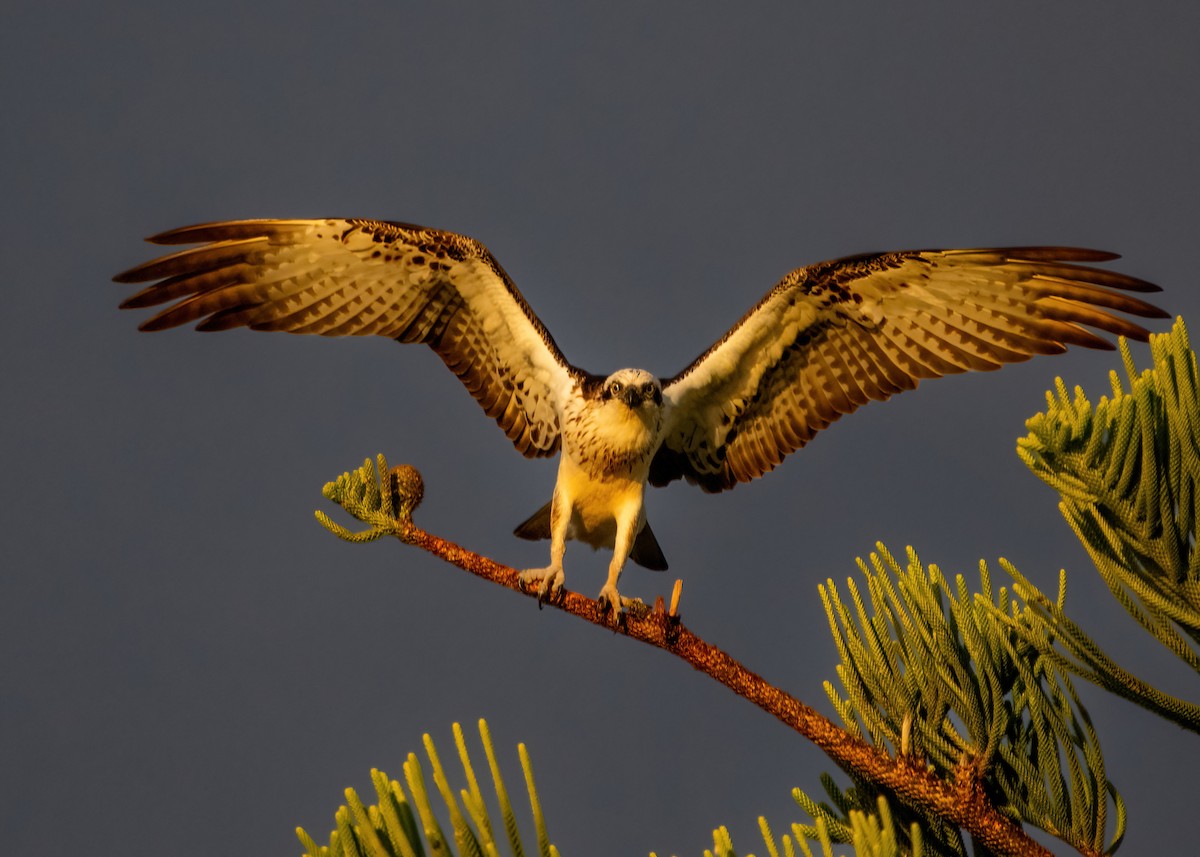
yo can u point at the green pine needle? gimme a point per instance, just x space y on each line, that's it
391 828
1127 470
931 668
381 497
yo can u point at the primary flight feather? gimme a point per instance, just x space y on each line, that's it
825 340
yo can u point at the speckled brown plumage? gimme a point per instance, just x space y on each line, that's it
827 339
831 337
360 277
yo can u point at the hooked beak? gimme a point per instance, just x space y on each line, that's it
632 397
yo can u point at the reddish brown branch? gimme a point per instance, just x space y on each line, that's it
961 802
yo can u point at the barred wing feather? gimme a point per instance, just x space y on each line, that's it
363 277
832 337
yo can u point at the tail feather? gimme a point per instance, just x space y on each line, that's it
536 527
646 551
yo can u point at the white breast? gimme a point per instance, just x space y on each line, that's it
607 439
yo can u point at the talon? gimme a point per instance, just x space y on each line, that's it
610 599
549 582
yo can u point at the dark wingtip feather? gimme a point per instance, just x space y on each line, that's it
226 319
1061 254
156 323
229 230
201 233
152 295
179 235
127 276
1128 283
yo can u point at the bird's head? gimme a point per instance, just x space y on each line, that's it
637 388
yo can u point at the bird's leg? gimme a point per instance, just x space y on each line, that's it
550 579
609 597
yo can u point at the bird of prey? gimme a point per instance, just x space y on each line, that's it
826 339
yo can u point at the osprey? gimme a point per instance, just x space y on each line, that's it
825 340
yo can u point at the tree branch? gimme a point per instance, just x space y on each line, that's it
962 802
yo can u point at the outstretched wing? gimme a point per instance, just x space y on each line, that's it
358 277
831 337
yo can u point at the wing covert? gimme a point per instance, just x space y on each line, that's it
364 277
831 337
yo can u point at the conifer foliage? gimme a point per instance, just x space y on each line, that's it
969 690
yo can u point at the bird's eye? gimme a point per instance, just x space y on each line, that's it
616 387
647 390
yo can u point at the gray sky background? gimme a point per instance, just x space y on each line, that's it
188 649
